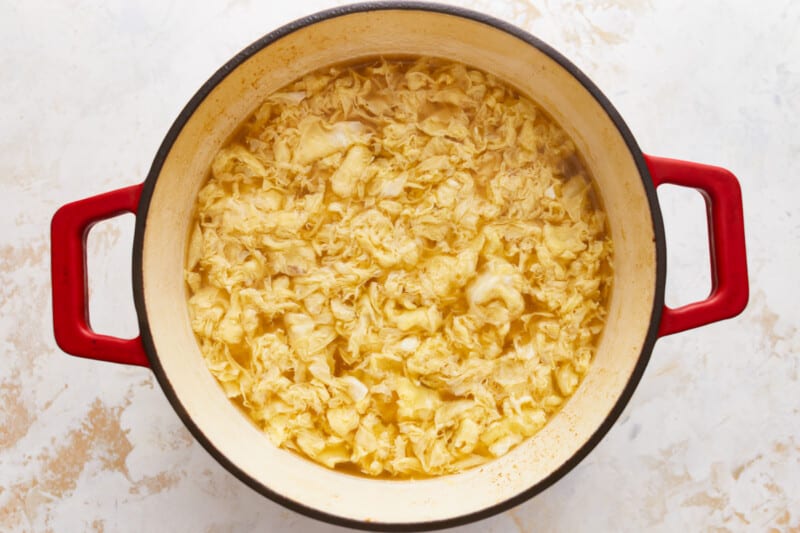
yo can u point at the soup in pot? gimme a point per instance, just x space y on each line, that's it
399 267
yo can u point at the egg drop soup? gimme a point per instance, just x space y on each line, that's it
399 268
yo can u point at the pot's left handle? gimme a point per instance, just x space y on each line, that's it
68 232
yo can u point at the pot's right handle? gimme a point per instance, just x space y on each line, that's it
68 232
729 285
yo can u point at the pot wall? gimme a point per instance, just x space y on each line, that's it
167 204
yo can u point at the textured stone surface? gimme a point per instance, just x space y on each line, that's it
710 440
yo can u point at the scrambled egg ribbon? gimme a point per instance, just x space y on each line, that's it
399 267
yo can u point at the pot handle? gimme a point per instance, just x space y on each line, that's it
68 232
729 285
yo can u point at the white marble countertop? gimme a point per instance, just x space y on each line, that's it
711 438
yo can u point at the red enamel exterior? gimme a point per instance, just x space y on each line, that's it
729 285
68 232
71 225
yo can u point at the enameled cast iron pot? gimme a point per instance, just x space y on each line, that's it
626 179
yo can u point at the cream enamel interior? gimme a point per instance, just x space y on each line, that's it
349 37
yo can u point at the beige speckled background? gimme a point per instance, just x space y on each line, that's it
711 439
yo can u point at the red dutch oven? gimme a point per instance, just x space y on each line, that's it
626 179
